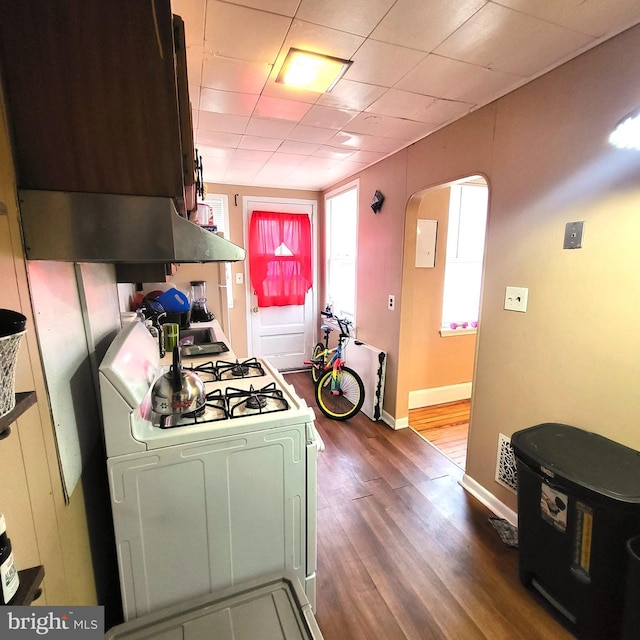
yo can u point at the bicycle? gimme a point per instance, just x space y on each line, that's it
339 390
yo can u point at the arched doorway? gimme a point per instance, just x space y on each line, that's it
441 310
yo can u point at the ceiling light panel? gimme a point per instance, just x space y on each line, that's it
311 71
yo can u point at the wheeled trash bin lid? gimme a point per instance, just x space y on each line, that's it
607 469
270 608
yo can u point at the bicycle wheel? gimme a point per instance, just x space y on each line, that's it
348 399
318 350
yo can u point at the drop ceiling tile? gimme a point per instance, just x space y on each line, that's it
327 117
273 175
315 37
282 7
383 145
325 151
298 181
320 172
592 17
209 138
252 155
402 104
214 170
348 94
349 140
511 42
367 157
311 134
243 174
280 109
382 64
442 111
356 16
210 121
193 12
195 115
259 144
287 159
275 89
234 75
424 25
387 127
216 152
322 168
250 167
241 33
267 128
456 80
297 148
240 104
195 56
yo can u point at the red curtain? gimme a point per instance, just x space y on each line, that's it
280 257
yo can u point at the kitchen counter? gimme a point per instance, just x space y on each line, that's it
219 336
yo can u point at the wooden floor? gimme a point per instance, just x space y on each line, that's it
446 426
403 551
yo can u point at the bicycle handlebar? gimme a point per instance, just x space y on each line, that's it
343 323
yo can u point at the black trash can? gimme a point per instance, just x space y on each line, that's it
578 505
631 619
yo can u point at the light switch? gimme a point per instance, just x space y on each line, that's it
515 299
239 278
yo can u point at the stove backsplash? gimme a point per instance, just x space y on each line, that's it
76 311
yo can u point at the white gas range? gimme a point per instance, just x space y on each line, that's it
209 500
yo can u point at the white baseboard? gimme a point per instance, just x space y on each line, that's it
439 395
390 421
489 500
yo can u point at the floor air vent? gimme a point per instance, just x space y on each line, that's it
506 472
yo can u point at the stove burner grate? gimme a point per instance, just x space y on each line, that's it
243 402
205 369
250 368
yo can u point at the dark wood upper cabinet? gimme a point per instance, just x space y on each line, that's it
97 96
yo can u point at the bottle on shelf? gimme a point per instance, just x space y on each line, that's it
8 571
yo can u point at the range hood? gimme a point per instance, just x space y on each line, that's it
89 227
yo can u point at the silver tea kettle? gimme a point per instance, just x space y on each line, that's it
177 391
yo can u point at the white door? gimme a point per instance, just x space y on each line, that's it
284 335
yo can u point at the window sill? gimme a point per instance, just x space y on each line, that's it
448 333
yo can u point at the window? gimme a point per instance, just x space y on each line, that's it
341 209
465 253
219 204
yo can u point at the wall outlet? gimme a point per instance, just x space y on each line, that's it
516 298
391 305
573 234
